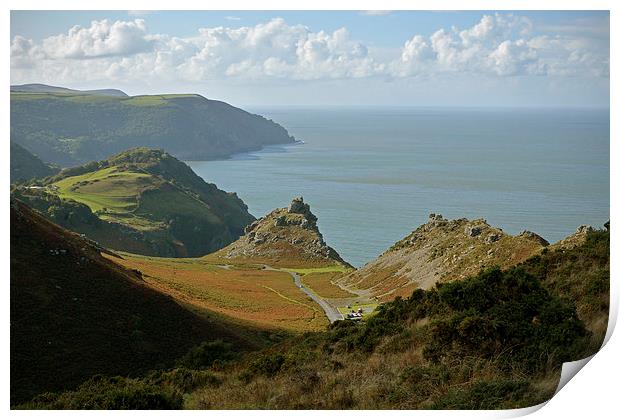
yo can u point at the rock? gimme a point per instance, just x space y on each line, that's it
607 225
298 206
534 236
584 229
251 226
280 221
473 231
493 237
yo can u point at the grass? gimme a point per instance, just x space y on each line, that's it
262 298
111 189
321 284
315 270
155 100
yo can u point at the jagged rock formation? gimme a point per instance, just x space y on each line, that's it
286 236
576 239
441 250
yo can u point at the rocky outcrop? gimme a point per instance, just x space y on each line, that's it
286 236
576 239
441 250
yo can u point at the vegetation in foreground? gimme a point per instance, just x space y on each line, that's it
75 314
494 340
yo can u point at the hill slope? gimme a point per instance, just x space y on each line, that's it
441 250
70 128
494 340
26 166
286 237
41 88
75 314
142 201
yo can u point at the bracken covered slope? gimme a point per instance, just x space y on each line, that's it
75 314
286 237
441 250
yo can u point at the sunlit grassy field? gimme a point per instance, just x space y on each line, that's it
263 298
110 189
321 283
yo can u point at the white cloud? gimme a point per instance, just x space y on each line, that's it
233 18
500 45
102 39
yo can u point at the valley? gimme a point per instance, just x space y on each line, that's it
137 283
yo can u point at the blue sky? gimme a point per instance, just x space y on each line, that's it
473 58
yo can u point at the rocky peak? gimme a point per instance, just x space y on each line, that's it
298 206
441 250
289 233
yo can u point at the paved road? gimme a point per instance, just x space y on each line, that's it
331 312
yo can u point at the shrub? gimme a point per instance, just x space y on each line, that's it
206 354
110 393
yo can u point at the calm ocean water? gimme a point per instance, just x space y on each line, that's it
373 175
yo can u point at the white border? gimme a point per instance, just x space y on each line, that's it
593 394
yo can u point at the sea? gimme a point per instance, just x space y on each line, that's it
372 175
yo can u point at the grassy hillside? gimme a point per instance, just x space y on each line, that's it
245 293
75 314
142 201
70 128
493 340
41 88
26 166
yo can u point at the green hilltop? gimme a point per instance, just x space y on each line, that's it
70 127
142 201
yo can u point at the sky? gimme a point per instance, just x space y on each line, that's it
323 58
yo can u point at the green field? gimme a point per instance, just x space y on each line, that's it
110 192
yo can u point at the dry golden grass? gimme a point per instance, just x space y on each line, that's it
349 380
321 284
266 299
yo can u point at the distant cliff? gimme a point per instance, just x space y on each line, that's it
69 127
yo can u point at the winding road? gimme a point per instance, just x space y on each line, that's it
331 312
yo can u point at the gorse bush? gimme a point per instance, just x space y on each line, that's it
206 354
506 315
115 393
